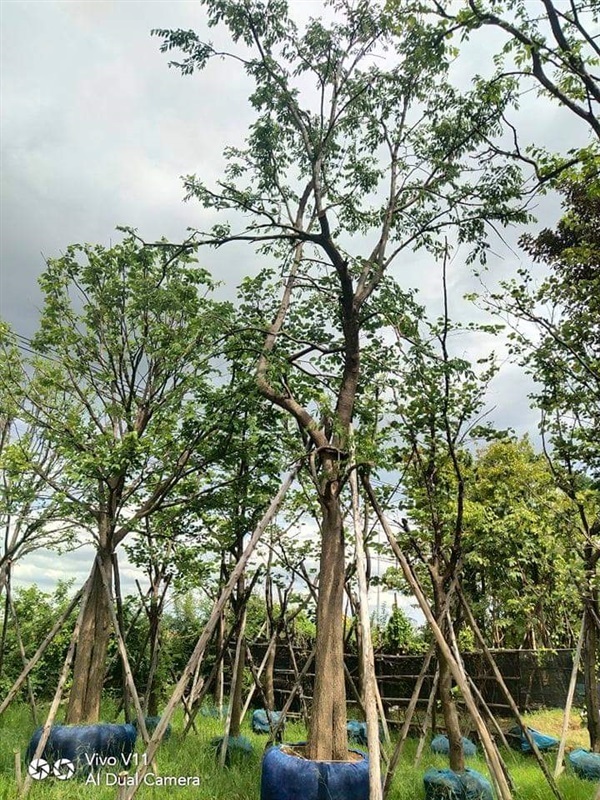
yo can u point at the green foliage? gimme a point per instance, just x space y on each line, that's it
521 569
121 382
552 47
36 612
400 635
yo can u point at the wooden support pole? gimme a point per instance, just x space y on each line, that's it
40 652
184 703
570 695
13 612
509 698
361 705
257 674
59 689
428 716
207 633
291 696
123 653
18 773
305 714
393 765
368 661
477 694
412 580
239 648
119 601
201 687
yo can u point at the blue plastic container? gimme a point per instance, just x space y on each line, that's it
441 745
287 777
444 784
586 765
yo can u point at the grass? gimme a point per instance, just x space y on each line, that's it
195 757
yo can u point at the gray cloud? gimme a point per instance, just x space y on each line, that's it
97 130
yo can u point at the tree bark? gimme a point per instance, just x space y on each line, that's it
328 738
447 701
451 721
268 680
236 700
590 671
90 658
153 689
220 676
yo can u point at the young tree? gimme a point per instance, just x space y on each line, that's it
120 383
438 399
361 151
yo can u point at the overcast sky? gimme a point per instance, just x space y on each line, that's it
97 130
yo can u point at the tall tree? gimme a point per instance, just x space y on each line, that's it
361 151
126 341
521 572
552 45
560 346
438 399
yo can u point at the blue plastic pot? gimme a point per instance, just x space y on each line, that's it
585 764
287 777
441 745
444 784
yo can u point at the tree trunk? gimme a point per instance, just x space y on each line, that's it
153 689
90 659
590 671
268 679
448 703
451 721
237 697
328 739
220 676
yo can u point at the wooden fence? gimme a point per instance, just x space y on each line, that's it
535 678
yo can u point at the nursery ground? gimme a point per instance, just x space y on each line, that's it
195 757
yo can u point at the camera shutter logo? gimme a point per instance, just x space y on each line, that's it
39 769
63 769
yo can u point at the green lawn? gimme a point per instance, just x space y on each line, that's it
194 757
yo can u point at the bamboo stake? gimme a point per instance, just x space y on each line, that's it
486 740
428 716
206 635
59 689
40 652
258 674
13 612
393 765
123 653
570 694
235 677
509 698
370 681
477 693
291 696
